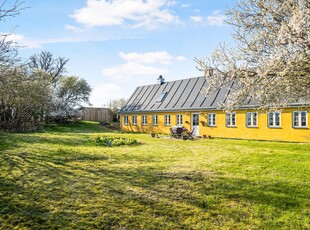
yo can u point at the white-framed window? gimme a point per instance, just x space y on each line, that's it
179 119
274 119
300 119
155 119
231 119
251 119
144 119
167 119
125 120
212 119
134 119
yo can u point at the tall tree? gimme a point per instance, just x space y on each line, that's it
22 100
271 61
8 49
72 93
51 71
53 67
115 105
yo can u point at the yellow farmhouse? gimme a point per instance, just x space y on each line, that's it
158 107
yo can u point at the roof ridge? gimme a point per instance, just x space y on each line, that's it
171 81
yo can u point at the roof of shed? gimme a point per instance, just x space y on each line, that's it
182 94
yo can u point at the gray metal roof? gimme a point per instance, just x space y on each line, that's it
182 94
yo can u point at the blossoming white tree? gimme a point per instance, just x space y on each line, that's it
270 63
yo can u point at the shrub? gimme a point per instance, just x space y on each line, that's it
114 141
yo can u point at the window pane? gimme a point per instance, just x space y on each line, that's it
134 120
179 119
295 119
303 121
270 122
125 120
195 119
211 119
254 119
144 120
154 119
249 119
277 118
233 119
167 119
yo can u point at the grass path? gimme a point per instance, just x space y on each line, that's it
59 179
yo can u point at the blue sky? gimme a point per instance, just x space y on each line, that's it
117 45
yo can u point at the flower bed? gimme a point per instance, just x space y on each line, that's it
114 141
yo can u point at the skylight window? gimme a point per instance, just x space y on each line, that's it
161 97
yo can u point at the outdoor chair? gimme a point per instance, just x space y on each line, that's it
176 132
179 132
190 134
173 133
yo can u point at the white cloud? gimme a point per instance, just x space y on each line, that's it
105 92
180 58
162 57
216 19
74 29
14 37
26 43
171 3
132 13
22 41
126 72
196 18
185 5
138 66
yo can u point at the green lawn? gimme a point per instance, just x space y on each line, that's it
59 179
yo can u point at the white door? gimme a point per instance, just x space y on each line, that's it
195 124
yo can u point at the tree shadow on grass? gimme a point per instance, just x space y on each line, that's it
9 141
16 209
33 188
80 127
228 201
78 190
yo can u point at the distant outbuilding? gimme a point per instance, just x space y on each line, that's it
97 114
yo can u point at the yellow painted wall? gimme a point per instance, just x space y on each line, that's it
285 133
160 128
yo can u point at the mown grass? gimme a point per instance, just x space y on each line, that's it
59 179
